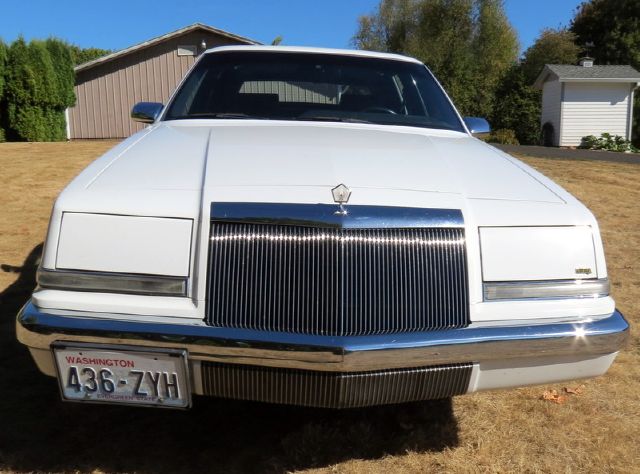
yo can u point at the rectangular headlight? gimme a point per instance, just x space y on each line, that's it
537 253
517 290
124 244
151 285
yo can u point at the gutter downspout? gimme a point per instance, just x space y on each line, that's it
631 104
561 121
67 125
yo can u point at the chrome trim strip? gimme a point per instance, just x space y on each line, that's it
549 289
127 283
324 215
37 329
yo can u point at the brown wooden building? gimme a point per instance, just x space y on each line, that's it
108 87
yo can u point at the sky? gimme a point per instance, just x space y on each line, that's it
117 24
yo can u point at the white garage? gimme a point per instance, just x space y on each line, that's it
586 100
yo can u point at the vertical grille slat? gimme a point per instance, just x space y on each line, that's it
334 281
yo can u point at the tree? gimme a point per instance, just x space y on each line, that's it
29 90
39 88
443 41
519 107
495 49
389 27
84 55
468 44
3 71
553 46
21 82
3 67
611 28
62 59
36 86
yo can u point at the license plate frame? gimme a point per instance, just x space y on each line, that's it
178 356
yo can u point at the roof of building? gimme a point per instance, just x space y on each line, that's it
160 39
596 73
312 50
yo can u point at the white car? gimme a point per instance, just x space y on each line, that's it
315 227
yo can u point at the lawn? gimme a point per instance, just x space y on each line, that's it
596 430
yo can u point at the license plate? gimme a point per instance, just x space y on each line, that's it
127 376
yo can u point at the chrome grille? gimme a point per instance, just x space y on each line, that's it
336 281
331 389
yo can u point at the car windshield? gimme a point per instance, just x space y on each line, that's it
314 87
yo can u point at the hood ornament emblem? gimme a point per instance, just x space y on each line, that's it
341 195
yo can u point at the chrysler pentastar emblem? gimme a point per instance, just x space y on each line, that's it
341 195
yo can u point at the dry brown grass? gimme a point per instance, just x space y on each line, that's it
596 431
31 176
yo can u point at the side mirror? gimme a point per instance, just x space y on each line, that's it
477 126
146 112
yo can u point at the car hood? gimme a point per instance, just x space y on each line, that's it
181 157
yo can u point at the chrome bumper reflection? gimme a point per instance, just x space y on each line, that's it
38 329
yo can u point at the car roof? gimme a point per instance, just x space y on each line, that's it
309 50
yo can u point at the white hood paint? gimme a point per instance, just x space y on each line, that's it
175 157
290 155
176 169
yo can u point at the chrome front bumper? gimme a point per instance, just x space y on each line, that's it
587 338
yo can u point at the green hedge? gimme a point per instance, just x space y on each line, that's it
38 87
3 70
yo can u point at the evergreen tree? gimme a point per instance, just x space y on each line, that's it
3 72
64 76
45 91
39 87
20 83
3 67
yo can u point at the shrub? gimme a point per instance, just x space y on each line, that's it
590 142
608 142
503 136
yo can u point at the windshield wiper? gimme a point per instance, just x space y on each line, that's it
239 115
217 115
331 118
